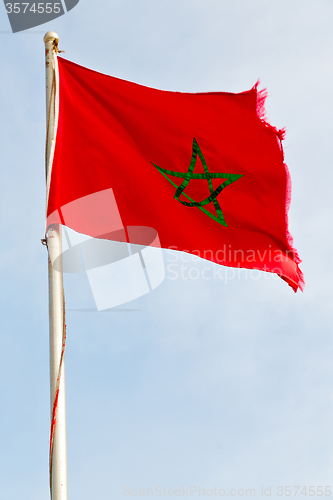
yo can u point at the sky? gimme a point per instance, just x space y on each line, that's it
222 383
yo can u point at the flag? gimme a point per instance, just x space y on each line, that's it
205 170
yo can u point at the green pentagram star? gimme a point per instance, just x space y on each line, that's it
187 176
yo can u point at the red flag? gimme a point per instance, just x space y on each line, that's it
204 170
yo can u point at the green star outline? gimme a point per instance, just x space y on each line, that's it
187 176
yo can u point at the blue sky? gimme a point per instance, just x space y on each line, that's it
207 383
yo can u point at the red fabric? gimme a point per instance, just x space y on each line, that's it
110 133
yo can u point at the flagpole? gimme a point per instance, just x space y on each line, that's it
58 444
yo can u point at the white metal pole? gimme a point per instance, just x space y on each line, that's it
58 475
